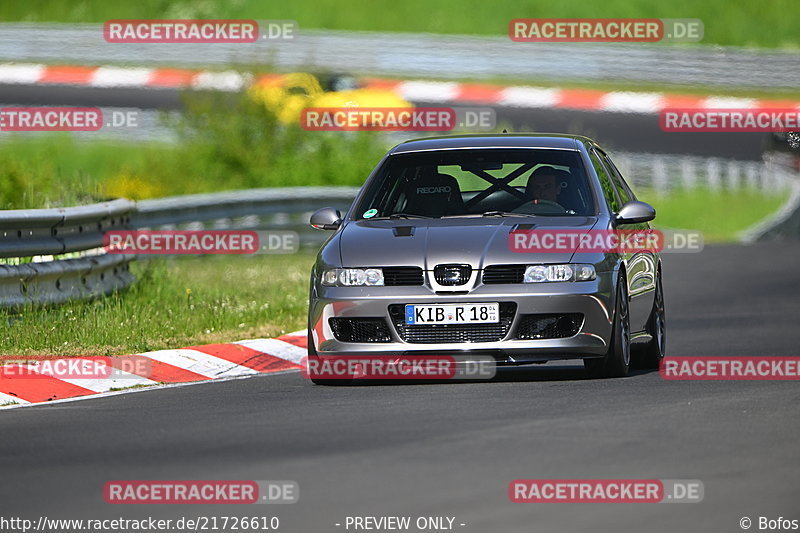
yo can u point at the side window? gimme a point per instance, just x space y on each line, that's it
625 193
605 182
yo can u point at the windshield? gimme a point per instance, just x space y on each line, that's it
491 182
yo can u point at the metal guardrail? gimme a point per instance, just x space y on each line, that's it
28 232
75 232
50 256
285 207
56 282
426 55
664 172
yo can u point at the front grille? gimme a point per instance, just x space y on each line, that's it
447 333
549 326
451 275
360 329
503 274
397 276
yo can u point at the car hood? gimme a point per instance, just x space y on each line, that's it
427 243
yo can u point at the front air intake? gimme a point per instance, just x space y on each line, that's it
360 329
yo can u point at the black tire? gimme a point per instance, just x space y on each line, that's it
653 352
617 361
312 354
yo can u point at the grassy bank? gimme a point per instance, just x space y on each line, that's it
727 22
720 215
56 171
223 143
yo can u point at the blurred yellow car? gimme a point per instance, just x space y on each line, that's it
288 94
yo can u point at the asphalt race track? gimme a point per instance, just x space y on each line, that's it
452 449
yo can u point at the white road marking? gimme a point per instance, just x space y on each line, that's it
274 347
221 81
116 378
530 97
628 102
119 380
200 363
726 102
20 73
121 77
133 391
428 91
8 398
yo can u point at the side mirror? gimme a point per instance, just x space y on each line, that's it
326 218
635 212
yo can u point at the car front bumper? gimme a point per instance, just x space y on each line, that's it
591 299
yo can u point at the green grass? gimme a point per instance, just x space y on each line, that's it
58 170
727 22
720 215
224 144
175 303
132 387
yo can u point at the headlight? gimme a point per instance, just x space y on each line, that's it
352 277
548 273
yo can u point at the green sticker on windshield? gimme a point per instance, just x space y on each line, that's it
369 213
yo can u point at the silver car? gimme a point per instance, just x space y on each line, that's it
421 263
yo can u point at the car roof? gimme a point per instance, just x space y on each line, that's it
499 140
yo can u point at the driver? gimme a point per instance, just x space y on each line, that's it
544 184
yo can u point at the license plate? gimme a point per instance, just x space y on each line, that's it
453 314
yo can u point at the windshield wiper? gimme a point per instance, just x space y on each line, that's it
399 216
505 214
490 214
395 216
